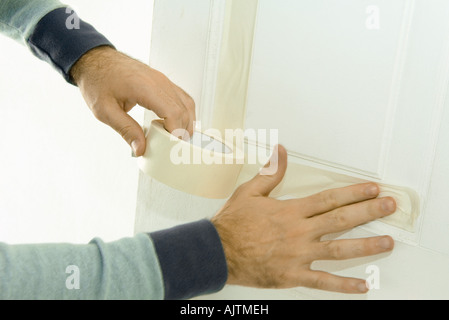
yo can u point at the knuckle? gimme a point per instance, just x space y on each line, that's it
125 131
190 103
373 209
338 219
367 247
318 283
98 111
159 75
333 251
329 199
175 112
360 250
185 117
243 190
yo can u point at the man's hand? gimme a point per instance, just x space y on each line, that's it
113 83
270 243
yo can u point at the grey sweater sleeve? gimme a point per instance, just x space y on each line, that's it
124 269
179 263
18 18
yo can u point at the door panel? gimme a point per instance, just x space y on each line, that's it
326 79
356 87
346 97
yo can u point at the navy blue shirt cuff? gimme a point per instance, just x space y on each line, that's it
61 43
192 260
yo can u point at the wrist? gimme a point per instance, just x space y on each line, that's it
92 62
225 237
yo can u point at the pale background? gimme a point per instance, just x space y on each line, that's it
64 176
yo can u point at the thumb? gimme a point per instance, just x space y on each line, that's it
127 127
270 175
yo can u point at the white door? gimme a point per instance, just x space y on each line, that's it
356 87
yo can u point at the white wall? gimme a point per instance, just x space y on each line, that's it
64 176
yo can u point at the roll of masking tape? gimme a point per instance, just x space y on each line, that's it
204 166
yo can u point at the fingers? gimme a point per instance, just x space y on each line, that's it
189 104
354 248
342 250
329 282
336 198
109 80
351 216
177 116
270 176
168 101
114 116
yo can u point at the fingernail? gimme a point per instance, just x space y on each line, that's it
362 287
372 190
134 146
388 205
385 243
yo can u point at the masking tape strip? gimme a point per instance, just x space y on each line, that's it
210 174
234 64
301 181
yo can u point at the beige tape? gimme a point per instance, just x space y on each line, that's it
213 174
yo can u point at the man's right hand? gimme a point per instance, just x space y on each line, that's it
270 243
113 83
